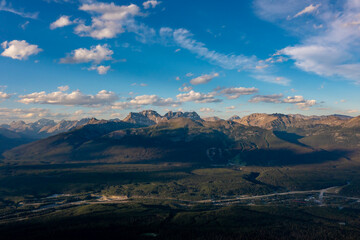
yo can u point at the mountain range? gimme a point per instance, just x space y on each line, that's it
46 127
257 139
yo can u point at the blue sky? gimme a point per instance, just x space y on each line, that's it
82 58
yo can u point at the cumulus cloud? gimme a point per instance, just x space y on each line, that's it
8 8
275 98
102 70
75 98
309 9
63 21
152 100
185 88
144 100
108 19
299 101
151 4
20 50
207 110
204 79
63 88
234 93
95 54
197 97
4 95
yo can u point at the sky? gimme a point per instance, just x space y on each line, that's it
71 59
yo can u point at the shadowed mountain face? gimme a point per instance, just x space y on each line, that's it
10 139
187 140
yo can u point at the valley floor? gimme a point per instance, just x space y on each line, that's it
180 201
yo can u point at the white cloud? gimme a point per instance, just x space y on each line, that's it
63 88
186 88
4 95
275 98
108 20
75 98
102 70
309 9
299 101
273 79
231 107
203 79
152 100
197 97
144 100
207 110
189 74
8 8
177 78
324 60
260 67
330 51
61 22
184 39
95 54
139 84
234 93
151 4
19 49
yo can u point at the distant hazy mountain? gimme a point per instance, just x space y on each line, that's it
235 117
43 127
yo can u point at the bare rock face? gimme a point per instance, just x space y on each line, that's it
281 121
354 122
192 115
146 118
150 117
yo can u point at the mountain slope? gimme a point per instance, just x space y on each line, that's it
281 121
10 139
178 139
63 146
